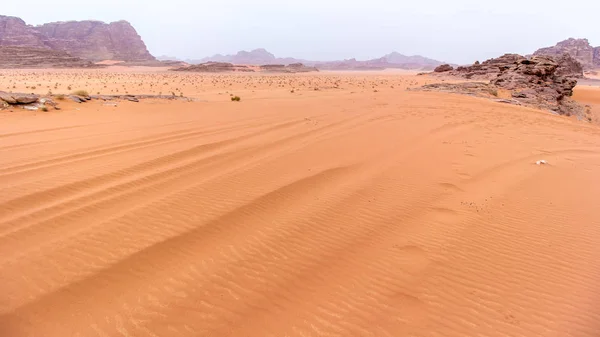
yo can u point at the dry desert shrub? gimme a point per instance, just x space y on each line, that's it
81 93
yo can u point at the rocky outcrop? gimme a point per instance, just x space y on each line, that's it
26 101
545 82
28 58
492 68
579 49
292 68
488 69
89 40
443 68
214 67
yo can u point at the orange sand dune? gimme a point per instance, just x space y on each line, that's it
361 210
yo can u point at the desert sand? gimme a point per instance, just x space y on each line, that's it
322 204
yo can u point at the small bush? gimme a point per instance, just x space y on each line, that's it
81 93
235 98
44 108
494 92
60 97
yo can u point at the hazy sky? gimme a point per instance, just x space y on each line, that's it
459 31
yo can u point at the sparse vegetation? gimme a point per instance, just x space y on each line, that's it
60 97
493 92
235 99
44 108
81 93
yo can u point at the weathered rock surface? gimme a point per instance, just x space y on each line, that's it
443 68
492 68
15 32
542 81
27 57
579 49
18 98
95 40
90 40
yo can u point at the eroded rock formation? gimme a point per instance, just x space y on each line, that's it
579 49
89 40
541 81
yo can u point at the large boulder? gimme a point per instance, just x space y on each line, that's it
443 68
18 98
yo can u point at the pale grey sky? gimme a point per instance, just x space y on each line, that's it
458 31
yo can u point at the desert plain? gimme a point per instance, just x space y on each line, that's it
326 204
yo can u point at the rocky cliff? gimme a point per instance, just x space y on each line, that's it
95 40
90 40
15 32
580 49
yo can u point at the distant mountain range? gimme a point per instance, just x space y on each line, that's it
263 57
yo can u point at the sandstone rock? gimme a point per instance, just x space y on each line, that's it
18 98
488 69
597 57
579 49
90 40
443 68
26 99
95 40
15 32
568 66
541 81
8 98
